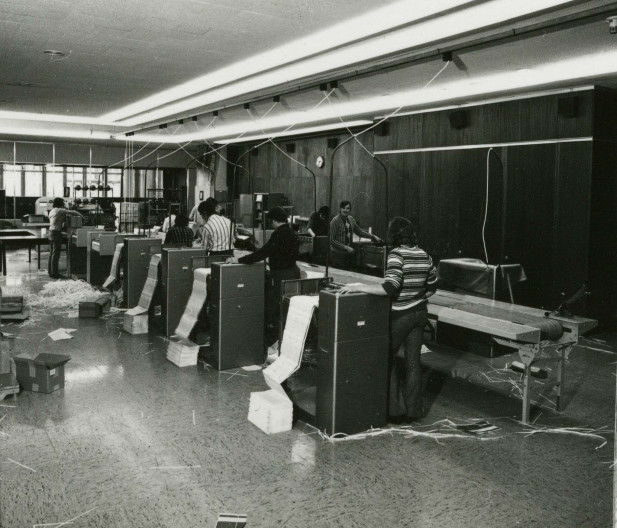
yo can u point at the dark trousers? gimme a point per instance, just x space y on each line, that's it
274 290
407 328
342 259
55 248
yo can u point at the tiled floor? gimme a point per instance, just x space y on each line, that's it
97 449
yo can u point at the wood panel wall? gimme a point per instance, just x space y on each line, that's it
551 205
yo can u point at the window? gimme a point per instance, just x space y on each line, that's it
114 177
94 177
12 180
33 179
54 181
75 177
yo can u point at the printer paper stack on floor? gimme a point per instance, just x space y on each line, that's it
181 352
270 411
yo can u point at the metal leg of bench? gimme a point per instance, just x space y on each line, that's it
29 254
561 370
526 396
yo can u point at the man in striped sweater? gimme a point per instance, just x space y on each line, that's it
218 233
410 279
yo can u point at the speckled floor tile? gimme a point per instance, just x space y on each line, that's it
133 441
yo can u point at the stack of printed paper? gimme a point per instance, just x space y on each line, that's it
182 353
270 411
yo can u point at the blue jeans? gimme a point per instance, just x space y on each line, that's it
55 248
407 328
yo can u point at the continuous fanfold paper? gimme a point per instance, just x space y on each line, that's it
272 411
113 272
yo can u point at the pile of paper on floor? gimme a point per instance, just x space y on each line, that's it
182 352
270 411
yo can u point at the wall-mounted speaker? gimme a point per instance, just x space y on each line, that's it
382 129
332 143
567 106
458 119
290 148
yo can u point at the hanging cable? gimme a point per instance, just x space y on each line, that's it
488 155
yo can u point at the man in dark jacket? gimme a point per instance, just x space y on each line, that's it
281 251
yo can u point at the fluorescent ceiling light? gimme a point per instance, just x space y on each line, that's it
307 130
375 22
385 31
569 70
56 118
50 132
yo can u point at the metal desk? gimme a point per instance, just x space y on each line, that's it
20 238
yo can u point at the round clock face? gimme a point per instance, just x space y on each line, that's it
319 161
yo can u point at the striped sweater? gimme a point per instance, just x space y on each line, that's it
410 273
216 234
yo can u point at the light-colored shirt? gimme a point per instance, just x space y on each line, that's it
56 218
196 217
216 234
167 224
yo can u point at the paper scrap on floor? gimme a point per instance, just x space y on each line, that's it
479 427
62 333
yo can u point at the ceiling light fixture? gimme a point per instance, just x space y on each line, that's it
307 130
380 33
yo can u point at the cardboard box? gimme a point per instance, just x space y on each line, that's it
136 323
44 373
104 302
89 309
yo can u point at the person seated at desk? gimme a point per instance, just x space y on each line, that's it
282 252
218 232
410 279
342 228
319 222
57 216
180 234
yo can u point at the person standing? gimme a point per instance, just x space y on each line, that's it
218 233
319 222
197 219
282 252
57 216
410 279
342 228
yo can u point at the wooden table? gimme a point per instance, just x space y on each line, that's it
20 238
513 326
